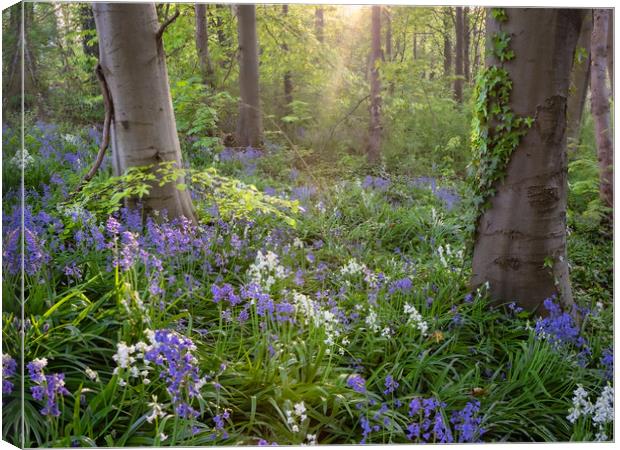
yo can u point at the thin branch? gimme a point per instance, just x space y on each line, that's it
105 139
230 66
345 117
165 25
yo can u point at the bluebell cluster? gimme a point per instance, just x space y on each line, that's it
559 328
377 183
47 388
173 353
448 196
9 367
427 422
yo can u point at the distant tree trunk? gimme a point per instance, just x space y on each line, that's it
447 46
374 139
288 81
16 69
12 69
202 45
249 125
524 229
319 23
458 69
580 80
600 104
143 128
466 40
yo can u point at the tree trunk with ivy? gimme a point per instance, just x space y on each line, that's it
521 183
600 105
143 127
580 80
249 125
373 151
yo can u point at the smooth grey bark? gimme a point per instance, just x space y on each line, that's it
143 128
580 80
600 105
202 45
525 227
458 66
374 135
249 125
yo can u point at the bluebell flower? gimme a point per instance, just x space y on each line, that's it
9 367
607 361
47 387
467 423
357 383
403 285
390 385
559 328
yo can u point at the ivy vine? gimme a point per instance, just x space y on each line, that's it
496 129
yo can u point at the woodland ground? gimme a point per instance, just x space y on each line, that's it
319 307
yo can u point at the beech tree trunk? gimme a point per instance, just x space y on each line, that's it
523 232
288 81
319 23
249 125
580 80
458 68
466 40
202 45
374 135
143 127
600 104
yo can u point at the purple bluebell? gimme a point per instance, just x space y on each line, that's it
9 367
357 383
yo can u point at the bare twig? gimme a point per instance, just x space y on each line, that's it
230 66
345 117
105 139
165 25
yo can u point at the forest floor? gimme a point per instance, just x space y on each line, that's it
308 309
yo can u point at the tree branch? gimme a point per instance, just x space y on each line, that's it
345 117
105 139
165 25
